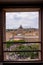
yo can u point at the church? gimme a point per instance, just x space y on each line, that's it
27 34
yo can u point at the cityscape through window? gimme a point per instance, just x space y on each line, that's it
22 36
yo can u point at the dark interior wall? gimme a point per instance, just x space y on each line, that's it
42 31
20 0
1 35
15 2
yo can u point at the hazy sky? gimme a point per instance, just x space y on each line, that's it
26 19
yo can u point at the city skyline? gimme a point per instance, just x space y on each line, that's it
26 19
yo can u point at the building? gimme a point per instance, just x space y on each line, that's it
27 34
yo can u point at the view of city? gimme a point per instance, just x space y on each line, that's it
22 37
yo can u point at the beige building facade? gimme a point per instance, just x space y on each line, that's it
27 34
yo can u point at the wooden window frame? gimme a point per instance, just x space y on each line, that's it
2 31
21 10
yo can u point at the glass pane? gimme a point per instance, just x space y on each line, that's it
21 46
22 56
22 27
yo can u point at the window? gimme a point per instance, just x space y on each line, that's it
23 35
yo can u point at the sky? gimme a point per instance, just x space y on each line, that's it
26 19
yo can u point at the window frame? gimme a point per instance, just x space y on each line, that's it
21 9
41 19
